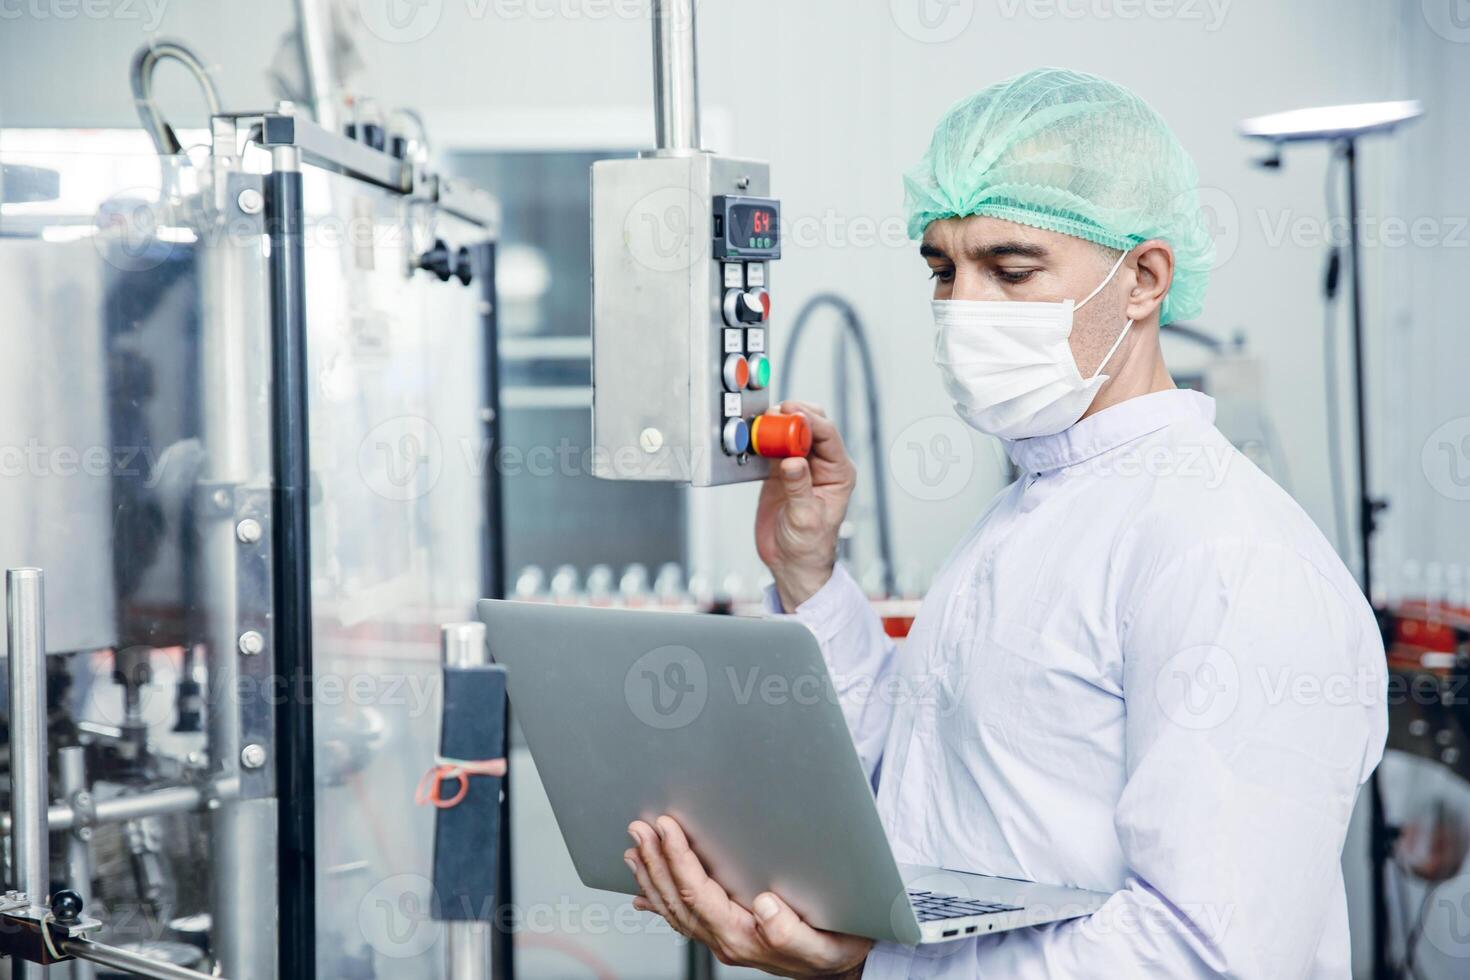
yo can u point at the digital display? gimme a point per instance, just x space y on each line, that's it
747 228
753 226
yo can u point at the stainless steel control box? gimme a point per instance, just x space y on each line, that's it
677 303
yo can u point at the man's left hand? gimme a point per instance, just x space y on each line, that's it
769 936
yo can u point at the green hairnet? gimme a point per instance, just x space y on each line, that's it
1074 153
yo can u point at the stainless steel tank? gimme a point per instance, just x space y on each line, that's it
56 454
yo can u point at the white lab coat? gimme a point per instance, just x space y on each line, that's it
1144 672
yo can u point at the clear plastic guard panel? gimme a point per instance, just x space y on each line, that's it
399 464
136 418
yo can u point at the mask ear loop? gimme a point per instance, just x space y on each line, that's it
1126 327
1111 273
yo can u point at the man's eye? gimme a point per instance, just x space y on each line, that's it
943 275
1015 275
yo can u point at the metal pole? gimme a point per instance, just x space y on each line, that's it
1380 835
72 761
121 959
675 76
291 567
25 618
1367 506
463 645
502 960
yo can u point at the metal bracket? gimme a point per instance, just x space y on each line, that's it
258 679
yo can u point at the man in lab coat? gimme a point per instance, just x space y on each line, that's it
1145 670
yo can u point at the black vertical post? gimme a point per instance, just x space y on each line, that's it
291 569
1380 835
493 586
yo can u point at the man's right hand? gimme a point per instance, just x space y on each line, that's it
801 508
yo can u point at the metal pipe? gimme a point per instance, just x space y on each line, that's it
675 76
121 959
25 623
323 71
854 328
244 929
155 803
72 763
468 948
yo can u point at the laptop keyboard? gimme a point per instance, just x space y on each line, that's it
931 906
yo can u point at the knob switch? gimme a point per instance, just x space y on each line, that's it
745 306
778 436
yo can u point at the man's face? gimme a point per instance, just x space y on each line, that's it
983 258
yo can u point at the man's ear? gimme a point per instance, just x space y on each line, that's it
1153 263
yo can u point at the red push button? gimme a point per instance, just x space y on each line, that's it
736 372
780 435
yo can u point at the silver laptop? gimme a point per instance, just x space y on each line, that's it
730 726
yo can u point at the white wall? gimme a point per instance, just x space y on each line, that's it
840 96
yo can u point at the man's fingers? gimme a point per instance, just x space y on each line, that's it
786 934
796 477
651 854
650 896
708 901
828 455
791 405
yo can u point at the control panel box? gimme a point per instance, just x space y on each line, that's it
682 247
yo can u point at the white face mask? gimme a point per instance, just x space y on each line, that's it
1008 366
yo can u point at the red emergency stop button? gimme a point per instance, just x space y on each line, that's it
780 435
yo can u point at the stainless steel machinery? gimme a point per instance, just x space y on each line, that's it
250 396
